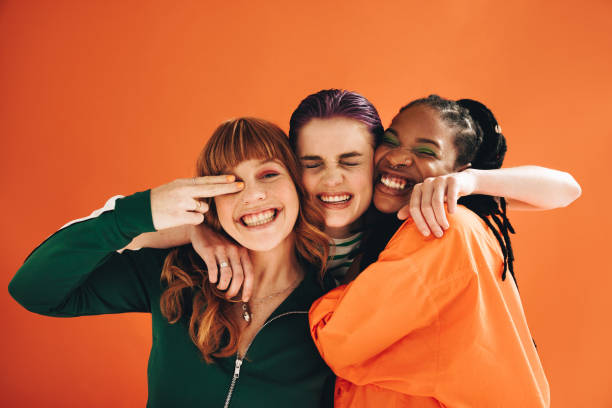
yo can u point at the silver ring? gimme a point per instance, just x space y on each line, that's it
223 264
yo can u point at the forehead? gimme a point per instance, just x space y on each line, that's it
248 166
422 122
333 136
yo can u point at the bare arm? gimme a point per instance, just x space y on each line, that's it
166 238
528 187
213 248
524 187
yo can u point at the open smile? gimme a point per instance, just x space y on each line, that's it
260 218
394 184
335 201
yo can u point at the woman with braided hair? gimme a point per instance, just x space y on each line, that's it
433 322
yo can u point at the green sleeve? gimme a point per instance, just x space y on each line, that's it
77 270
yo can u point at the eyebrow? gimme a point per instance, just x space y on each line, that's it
391 130
433 142
311 158
343 156
420 139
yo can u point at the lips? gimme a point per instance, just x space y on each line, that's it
394 184
259 218
335 200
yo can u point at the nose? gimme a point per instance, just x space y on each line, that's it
253 192
398 158
332 177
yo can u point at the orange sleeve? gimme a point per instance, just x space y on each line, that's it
382 328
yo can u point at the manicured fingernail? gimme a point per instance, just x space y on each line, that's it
438 234
240 184
231 178
426 233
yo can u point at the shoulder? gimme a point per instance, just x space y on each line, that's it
463 224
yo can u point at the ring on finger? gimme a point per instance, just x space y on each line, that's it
223 264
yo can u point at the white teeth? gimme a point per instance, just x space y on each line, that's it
393 182
264 217
334 198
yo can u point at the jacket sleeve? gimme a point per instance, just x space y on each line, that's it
362 329
77 270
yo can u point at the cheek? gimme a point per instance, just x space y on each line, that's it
309 180
380 153
361 181
225 208
292 200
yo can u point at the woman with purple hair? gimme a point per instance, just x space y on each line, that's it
334 134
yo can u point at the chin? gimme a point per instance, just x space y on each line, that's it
387 205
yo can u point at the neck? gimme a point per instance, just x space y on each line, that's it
344 231
275 269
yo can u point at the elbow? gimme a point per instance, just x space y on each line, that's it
573 190
22 293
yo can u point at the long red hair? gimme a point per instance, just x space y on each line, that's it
188 291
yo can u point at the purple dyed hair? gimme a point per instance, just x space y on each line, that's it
331 103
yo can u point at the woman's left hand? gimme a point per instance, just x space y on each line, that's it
427 201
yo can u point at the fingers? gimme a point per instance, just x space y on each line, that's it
404 212
192 218
427 209
200 206
452 195
247 266
237 273
437 203
210 260
415 210
225 272
213 190
224 178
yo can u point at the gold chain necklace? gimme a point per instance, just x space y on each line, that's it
246 310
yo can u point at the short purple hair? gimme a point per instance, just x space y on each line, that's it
332 103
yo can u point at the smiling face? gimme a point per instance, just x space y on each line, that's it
337 159
417 145
263 214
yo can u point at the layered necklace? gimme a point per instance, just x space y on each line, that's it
247 314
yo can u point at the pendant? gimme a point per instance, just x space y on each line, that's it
245 313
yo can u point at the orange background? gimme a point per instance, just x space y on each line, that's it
99 98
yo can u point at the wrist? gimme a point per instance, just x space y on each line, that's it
474 181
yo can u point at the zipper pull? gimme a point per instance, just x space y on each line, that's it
237 367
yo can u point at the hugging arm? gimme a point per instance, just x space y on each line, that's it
524 188
77 272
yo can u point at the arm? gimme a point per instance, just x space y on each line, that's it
213 248
166 238
76 271
528 187
524 187
382 326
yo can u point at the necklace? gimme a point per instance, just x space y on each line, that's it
246 309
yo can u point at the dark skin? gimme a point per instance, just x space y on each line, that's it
417 145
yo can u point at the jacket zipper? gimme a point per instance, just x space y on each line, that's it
239 359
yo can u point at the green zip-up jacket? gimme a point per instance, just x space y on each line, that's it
77 272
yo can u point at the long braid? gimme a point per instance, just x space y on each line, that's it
480 143
490 155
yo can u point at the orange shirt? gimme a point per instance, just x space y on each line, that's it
431 324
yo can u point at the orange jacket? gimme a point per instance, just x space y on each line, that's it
431 324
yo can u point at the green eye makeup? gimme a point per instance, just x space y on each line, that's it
390 138
425 150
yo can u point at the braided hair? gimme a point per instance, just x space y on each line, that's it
479 141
